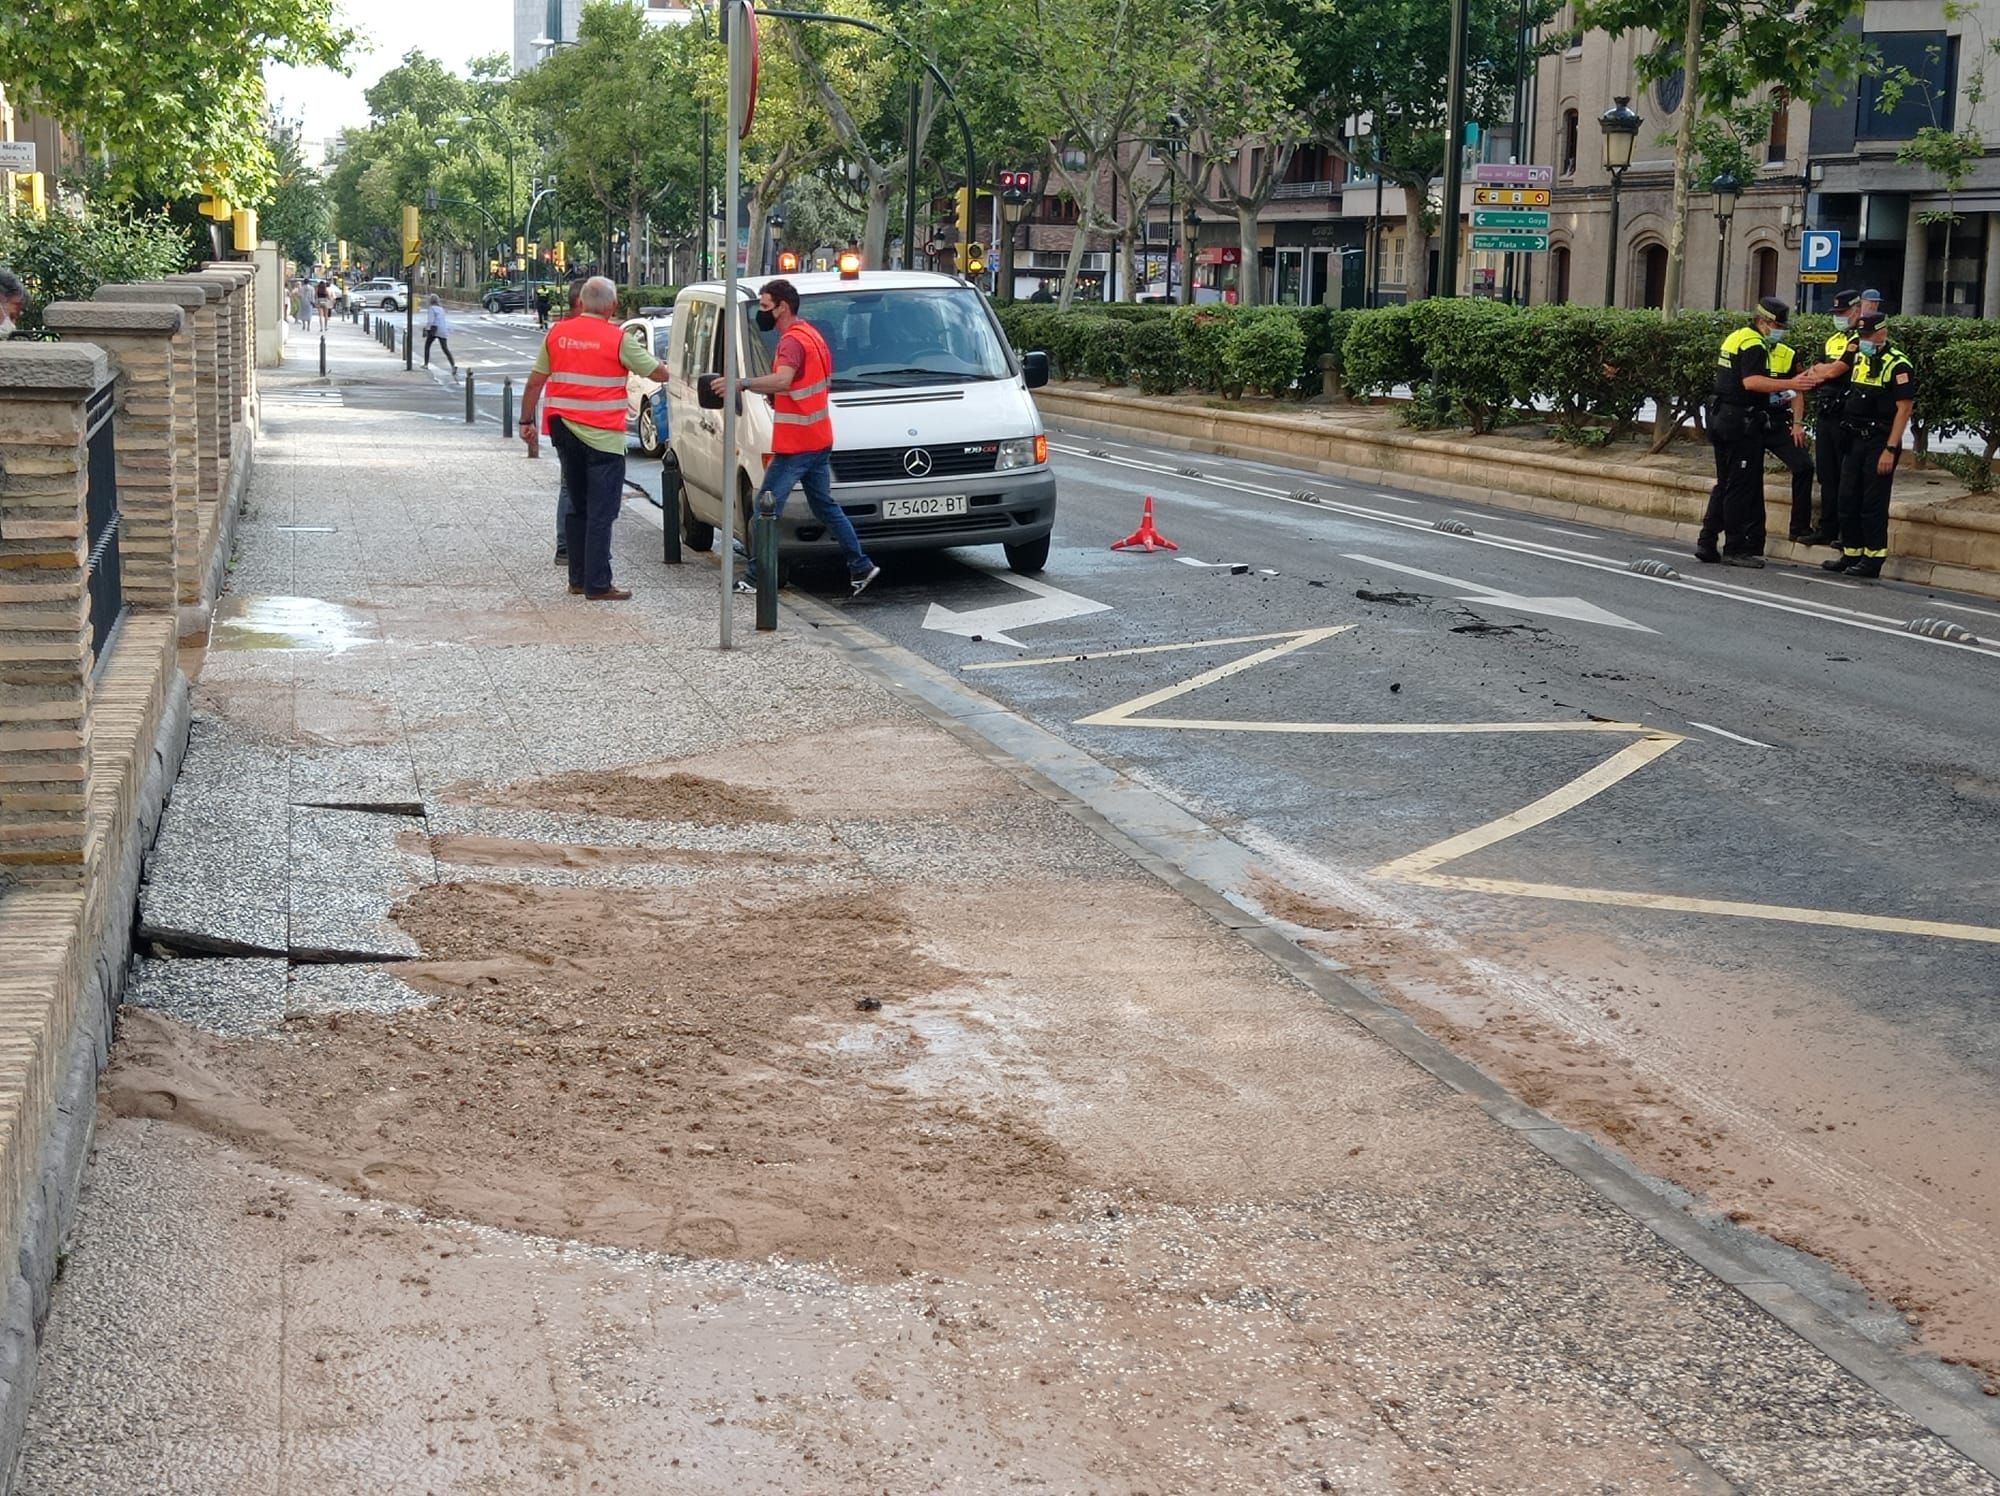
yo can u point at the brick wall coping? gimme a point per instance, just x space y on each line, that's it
120 317
173 294
67 367
210 284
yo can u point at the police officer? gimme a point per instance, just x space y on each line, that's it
1881 388
1829 428
1739 430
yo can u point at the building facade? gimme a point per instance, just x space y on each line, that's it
557 21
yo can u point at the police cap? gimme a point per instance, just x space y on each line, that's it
1773 309
1869 321
1842 300
1871 295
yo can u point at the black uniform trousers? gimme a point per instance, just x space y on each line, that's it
1830 448
1741 435
1864 492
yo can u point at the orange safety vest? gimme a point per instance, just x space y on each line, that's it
587 378
800 419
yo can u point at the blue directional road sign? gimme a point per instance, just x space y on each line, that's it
1819 252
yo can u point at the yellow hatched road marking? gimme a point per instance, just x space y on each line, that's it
1422 867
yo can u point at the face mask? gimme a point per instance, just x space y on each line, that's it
1773 338
766 321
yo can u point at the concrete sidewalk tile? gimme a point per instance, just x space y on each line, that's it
224 995
349 989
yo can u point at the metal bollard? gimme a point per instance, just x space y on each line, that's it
764 546
670 509
471 410
322 355
507 408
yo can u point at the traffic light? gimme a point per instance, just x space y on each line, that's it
413 239
562 255
215 206
31 194
964 220
1016 187
521 250
243 229
975 258
533 250
340 248
788 262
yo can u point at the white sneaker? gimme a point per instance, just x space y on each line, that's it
860 583
745 585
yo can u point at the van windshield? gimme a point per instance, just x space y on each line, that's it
884 339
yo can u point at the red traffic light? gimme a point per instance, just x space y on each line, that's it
788 262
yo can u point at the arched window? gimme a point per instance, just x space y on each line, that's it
1559 274
1653 276
1569 142
1764 270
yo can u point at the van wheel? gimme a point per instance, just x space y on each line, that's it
1029 557
649 432
695 535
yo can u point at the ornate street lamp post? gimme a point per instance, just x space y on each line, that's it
1620 124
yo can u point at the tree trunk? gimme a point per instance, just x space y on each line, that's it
1086 215
1128 289
1416 246
875 226
1249 274
1670 302
635 241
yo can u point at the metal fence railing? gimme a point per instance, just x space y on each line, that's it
103 576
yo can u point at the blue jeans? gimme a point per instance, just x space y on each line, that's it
814 472
595 482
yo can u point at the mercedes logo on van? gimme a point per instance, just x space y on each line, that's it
917 462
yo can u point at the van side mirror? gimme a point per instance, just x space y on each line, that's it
705 394
1035 370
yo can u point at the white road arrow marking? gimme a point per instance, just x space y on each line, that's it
1553 607
1046 606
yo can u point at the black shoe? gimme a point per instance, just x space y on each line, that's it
1707 553
1866 567
1755 563
1839 563
1817 537
562 557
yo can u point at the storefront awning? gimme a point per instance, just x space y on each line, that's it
1219 254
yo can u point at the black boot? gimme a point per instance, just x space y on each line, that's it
1866 567
1704 548
1839 563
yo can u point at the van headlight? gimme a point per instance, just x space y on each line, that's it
1023 451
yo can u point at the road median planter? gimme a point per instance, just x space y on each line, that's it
1930 544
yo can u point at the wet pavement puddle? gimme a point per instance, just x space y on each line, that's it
299 623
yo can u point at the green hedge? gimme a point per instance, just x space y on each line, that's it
1592 367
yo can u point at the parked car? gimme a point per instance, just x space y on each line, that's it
384 293
936 439
644 415
506 296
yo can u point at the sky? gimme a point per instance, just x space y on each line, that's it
454 31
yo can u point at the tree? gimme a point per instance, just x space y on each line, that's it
298 209
1730 52
619 109
171 91
1244 93
1097 72
81 245
1387 59
1947 154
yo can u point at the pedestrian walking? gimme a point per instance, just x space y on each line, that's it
542 306
583 366
801 426
1881 388
324 297
437 329
1830 426
1739 415
302 302
13 302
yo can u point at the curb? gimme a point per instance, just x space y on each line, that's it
1960 553
1828 1311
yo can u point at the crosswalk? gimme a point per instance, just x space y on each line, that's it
303 396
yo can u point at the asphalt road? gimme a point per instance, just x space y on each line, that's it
1705 862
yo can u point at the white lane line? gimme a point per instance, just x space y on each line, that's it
1660 550
1874 623
1830 582
1723 732
1397 498
1209 565
1559 530
1956 607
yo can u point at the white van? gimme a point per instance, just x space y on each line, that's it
936 441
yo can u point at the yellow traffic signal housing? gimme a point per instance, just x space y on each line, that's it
31 194
341 247
975 258
521 250
243 228
562 254
413 240
215 206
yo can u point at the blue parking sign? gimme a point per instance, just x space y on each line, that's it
1819 251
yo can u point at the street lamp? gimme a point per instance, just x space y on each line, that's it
1726 189
1620 124
1015 187
1190 231
776 223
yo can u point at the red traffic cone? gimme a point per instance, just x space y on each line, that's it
1145 535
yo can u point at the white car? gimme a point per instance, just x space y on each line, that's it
383 293
936 440
653 329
